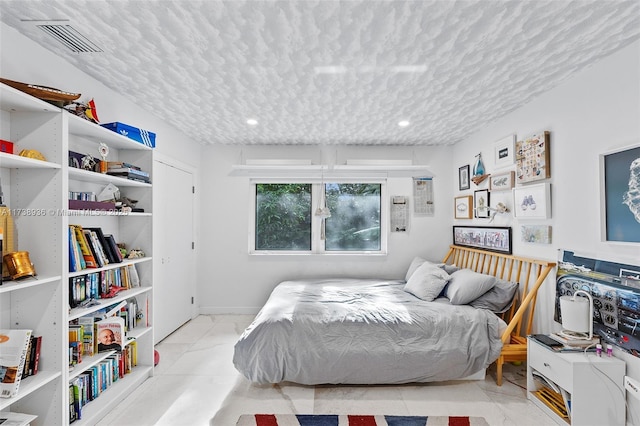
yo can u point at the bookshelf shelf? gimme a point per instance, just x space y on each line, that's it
41 303
16 101
29 385
119 390
94 132
138 332
76 313
110 266
87 363
93 177
8 286
14 161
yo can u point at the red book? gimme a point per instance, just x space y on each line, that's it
36 359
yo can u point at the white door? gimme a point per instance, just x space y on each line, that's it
174 276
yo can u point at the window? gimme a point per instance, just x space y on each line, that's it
285 219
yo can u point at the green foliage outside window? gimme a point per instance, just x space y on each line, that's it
283 217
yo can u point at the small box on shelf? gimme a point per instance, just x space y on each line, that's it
6 146
142 136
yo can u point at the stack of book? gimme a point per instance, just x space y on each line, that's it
575 343
127 170
91 248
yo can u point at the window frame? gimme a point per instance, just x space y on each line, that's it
317 245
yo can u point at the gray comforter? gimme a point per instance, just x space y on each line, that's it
355 331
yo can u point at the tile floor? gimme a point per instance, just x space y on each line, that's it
196 384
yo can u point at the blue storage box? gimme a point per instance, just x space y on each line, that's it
139 135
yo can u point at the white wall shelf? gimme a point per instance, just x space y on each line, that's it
76 313
41 303
15 161
24 283
30 385
89 176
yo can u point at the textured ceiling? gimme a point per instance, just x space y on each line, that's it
333 72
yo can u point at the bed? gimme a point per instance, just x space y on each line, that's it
444 321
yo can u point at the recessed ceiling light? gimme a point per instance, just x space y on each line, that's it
252 122
403 123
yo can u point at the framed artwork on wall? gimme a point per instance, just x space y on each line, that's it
620 183
464 181
532 201
463 207
492 238
502 181
533 158
503 151
481 203
540 234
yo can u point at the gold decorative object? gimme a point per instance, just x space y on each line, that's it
32 153
19 265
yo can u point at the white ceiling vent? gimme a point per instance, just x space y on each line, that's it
70 37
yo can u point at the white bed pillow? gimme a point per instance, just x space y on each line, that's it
466 285
418 261
415 264
427 282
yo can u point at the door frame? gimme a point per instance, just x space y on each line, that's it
171 162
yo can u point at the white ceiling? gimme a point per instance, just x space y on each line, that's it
333 72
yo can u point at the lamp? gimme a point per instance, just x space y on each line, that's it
322 211
577 316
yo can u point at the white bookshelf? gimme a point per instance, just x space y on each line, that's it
41 303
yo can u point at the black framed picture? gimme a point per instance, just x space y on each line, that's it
481 203
463 178
492 238
621 202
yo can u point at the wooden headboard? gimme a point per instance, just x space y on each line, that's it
529 273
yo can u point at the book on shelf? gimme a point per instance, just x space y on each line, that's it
32 359
13 353
120 164
72 410
99 254
127 171
88 339
111 334
11 418
113 246
85 251
106 247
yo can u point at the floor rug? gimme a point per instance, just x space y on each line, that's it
355 420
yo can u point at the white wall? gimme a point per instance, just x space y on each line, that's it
593 113
234 281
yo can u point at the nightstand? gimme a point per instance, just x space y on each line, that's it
590 386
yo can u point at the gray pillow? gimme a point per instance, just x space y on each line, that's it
427 282
418 261
499 299
466 285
